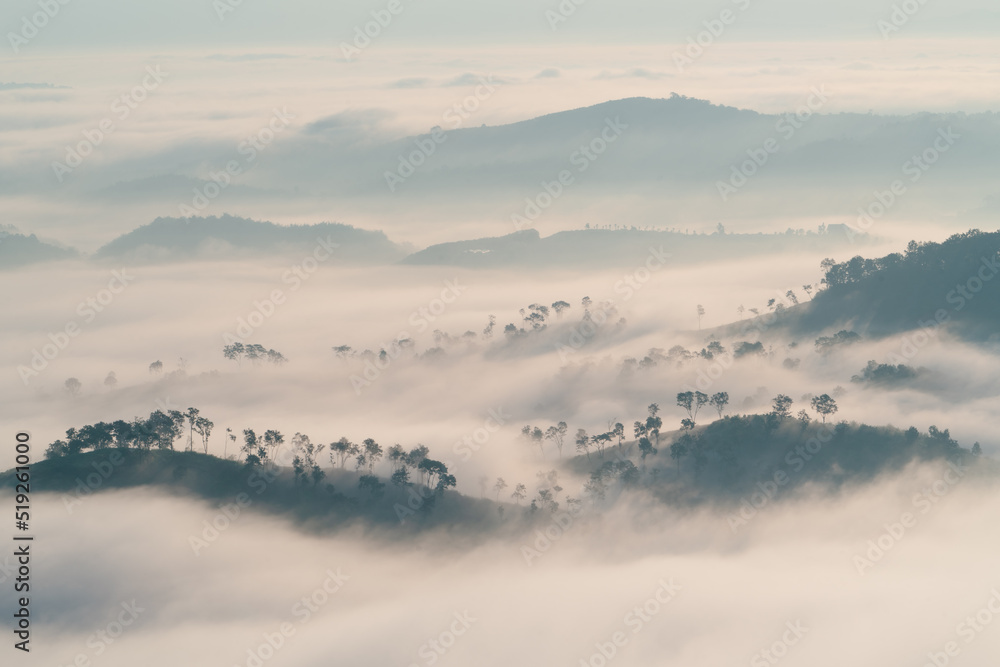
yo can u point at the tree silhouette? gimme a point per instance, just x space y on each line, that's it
557 435
343 449
499 487
701 314
719 401
520 491
534 436
782 406
824 405
111 380
73 387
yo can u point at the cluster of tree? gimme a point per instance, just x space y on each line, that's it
843 338
733 455
159 431
894 293
254 352
885 374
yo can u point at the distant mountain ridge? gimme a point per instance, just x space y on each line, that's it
172 239
613 247
18 249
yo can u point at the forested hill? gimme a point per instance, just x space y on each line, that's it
171 239
956 282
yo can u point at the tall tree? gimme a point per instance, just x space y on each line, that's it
719 401
824 405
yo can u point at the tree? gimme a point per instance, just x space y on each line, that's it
370 454
253 448
273 440
740 310
600 441
304 464
234 352
782 406
559 307
719 401
583 442
343 449
557 434
73 387
343 351
824 405
203 427
654 423
432 470
678 450
808 289
499 487
701 314
790 295
520 491
488 331
692 401
192 417
619 432
371 485
156 368
111 380
230 437
534 436
977 449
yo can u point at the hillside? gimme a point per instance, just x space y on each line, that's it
177 239
17 249
622 247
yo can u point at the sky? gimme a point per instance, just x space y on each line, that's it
166 95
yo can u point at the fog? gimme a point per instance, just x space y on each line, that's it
734 593
554 223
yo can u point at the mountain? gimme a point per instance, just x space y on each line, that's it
954 284
178 239
19 250
624 247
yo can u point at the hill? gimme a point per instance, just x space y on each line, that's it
180 239
623 247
